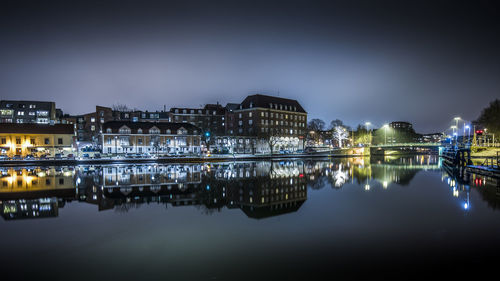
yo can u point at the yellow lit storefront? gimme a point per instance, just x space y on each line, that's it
36 139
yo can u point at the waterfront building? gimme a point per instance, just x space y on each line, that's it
283 122
36 139
211 118
40 112
125 137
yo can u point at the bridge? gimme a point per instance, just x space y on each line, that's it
403 148
413 144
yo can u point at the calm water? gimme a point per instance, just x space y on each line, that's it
246 220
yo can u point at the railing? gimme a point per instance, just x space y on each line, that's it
492 161
409 144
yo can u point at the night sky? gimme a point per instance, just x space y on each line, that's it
378 61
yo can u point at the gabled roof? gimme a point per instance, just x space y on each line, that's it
146 126
264 101
31 128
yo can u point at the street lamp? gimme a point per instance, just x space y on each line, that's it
468 133
368 124
77 149
116 150
385 131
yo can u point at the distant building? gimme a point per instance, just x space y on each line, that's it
125 137
19 112
36 139
434 137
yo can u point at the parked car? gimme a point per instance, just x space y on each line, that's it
42 157
71 156
309 150
4 157
29 157
16 157
85 156
97 156
58 156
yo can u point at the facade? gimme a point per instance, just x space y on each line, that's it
211 118
125 137
282 121
39 112
36 139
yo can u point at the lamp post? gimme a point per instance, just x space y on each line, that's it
468 133
453 133
456 125
77 149
385 133
368 124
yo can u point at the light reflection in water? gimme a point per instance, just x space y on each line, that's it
260 189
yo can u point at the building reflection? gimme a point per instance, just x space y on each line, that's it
35 193
259 189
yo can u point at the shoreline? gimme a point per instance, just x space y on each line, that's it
104 161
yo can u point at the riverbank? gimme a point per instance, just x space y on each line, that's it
185 159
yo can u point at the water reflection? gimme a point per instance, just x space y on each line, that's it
259 189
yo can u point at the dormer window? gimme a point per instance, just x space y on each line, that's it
169 131
108 130
154 130
124 130
139 131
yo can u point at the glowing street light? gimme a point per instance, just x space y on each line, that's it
385 131
368 124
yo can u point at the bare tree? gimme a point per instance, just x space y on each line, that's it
316 125
120 107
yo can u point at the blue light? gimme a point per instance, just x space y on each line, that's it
208 187
466 206
207 134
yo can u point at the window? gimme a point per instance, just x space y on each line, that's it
47 141
18 141
32 141
42 113
20 113
124 130
31 113
154 130
59 141
250 114
108 130
92 120
92 128
139 131
169 131
4 140
139 141
250 122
